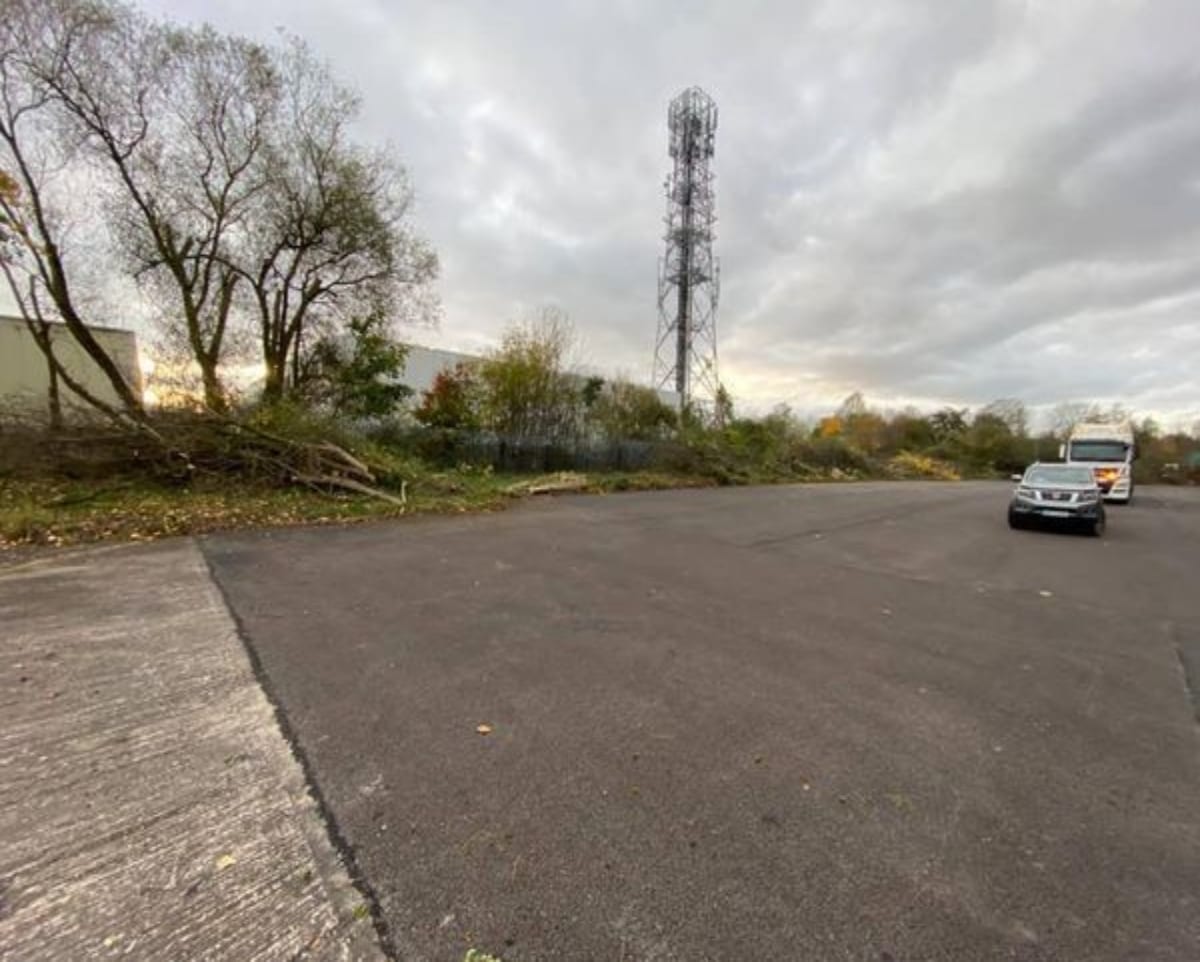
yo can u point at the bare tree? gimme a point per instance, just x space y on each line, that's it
1012 412
1064 416
330 238
207 168
174 120
853 406
231 187
1115 412
37 41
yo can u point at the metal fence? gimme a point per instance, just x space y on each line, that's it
534 455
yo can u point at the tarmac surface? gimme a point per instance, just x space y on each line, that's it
860 722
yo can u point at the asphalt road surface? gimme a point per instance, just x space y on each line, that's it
861 722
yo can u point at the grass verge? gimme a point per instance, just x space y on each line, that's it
56 512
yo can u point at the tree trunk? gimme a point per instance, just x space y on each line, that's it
214 392
296 363
276 375
60 295
53 399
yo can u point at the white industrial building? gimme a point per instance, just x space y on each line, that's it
25 372
422 365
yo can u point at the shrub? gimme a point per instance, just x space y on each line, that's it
630 412
911 466
453 401
527 391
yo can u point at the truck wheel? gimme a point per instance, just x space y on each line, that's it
1096 528
1014 522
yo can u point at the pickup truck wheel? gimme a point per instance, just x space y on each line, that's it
1096 528
1014 522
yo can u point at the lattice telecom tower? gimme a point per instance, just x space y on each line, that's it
685 358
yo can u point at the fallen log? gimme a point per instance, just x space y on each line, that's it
563 484
316 481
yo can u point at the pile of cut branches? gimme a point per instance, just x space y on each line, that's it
178 447
244 448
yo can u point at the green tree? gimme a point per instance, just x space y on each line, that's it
527 389
783 423
631 412
990 442
948 424
909 431
359 375
593 388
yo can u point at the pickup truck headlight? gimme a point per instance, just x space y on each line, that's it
1089 497
1026 493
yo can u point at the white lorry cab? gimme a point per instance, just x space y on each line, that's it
1109 450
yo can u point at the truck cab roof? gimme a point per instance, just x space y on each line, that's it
1108 432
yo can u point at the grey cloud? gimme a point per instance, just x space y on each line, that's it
936 200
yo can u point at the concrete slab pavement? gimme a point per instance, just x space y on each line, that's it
150 807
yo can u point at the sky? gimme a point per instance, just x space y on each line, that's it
929 201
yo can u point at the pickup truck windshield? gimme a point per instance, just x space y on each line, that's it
1058 474
1098 451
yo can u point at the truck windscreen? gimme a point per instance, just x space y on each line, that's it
1098 451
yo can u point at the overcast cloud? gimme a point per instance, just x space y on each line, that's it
939 201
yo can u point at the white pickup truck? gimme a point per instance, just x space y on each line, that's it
1109 450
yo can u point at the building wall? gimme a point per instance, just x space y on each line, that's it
423 364
25 375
